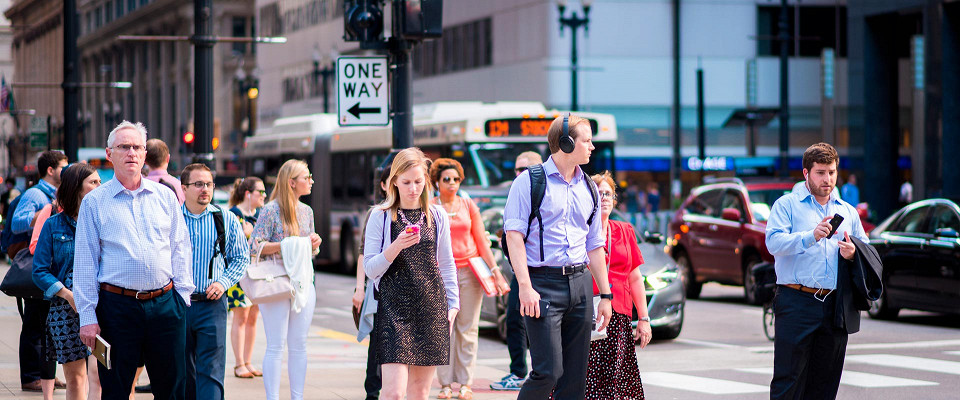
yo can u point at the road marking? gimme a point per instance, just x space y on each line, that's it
917 363
876 346
708 344
858 379
953 353
332 334
700 384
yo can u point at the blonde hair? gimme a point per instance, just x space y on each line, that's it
406 160
285 197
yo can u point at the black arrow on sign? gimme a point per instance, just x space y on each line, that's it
356 110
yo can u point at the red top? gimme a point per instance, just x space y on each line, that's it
623 255
466 231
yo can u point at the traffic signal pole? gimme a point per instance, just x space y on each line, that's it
402 77
71 80
203 41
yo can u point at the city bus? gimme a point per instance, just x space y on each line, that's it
484 137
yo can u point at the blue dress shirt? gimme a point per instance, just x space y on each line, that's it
203 236
32 201
565 209
799 258
134 239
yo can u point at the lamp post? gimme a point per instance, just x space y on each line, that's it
574 22
321 76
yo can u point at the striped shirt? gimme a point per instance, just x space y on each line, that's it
203 236
134 239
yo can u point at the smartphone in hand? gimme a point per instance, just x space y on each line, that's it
835 223
412 229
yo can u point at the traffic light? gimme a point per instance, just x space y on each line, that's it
421 19
363 22
188 138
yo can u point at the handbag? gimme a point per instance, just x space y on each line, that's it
18 282
266 281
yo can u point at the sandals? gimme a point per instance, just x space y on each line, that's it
466 393
253 370
246 375
445 393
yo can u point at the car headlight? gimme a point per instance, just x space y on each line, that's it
662 278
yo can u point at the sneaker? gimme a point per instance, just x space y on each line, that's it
509 382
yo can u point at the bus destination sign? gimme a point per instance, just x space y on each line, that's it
523 127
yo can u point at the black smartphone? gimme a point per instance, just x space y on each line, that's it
835 223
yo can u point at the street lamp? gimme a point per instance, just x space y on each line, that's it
321 76
574 22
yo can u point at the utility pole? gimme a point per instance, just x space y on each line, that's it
675 183
401 97
203 42
71 80
784 39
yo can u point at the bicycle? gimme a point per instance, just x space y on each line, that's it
768 323
765 276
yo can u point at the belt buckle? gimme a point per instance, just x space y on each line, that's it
137 295
564 270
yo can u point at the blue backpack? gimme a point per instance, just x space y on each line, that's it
7 237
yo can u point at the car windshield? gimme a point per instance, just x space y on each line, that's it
767 196
761 211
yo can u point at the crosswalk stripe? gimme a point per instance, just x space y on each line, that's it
917 363
700 384
954 353
859 379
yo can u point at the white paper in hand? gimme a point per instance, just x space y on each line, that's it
596 334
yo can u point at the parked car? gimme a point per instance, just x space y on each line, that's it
718 234
664 289
920 249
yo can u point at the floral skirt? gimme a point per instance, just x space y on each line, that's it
612 372
236 298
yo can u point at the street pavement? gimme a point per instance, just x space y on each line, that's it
721 354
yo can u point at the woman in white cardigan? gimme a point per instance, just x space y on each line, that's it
408 256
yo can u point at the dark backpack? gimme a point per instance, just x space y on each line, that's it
220 246
538 189
7 237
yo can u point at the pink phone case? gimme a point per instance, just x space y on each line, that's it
413 229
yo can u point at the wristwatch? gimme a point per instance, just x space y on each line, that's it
645 319
607 296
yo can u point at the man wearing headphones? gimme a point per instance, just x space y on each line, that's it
550 255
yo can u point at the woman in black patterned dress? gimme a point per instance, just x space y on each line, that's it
407 254
53 274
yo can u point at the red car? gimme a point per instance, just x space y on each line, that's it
718 233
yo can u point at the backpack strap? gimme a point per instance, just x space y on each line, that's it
220 246
538 189
592 186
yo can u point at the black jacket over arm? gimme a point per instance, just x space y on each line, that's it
858 283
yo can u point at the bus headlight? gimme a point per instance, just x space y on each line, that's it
662 278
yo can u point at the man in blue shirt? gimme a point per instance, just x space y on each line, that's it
810 346
33 364
556 291
213 272
131 276
849 192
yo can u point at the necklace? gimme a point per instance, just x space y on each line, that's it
449 213
407 221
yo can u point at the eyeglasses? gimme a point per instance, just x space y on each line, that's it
519 170
308 177
130 147
201 185
606 195
451 179
263 192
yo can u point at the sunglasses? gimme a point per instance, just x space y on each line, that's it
451 179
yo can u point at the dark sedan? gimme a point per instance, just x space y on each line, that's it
920 249
664 288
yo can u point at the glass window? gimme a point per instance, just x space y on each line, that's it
108 11
732 199
239 30
944 218
818 27
706 203
912 221
131 5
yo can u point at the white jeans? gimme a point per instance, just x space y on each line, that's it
282 325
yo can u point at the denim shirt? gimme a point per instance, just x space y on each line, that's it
53 259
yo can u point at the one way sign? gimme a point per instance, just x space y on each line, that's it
362 95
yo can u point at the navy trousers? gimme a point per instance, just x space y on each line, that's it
33 360
808 349
153 331
206 349
560 338
516 333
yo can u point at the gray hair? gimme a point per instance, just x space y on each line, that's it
127 125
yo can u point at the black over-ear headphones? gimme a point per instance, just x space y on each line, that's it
566 142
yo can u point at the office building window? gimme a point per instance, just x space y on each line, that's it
462 47
270 20
819 29
131 5
239 29
108 12
98 14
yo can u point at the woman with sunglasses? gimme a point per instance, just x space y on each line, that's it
246 201
469 240
53 274
612 371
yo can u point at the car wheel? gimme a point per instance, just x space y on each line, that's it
502 317
880 309
690 284
749 281
669 332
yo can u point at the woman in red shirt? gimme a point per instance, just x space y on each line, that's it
613 372
469 240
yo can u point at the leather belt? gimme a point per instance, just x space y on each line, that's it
137 294
560 270
807 289
201 297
